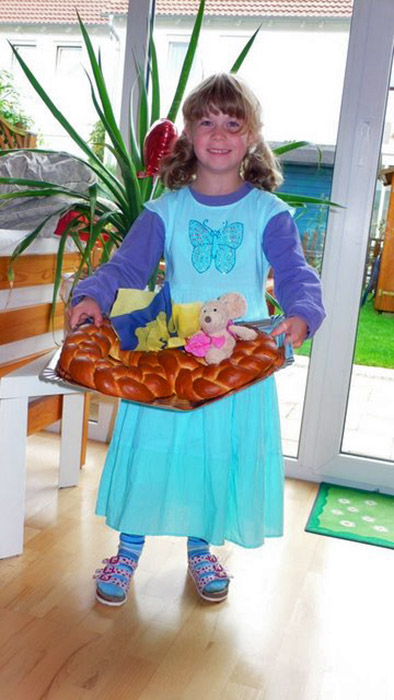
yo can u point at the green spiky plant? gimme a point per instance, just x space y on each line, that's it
110 221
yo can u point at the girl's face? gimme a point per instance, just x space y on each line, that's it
220 143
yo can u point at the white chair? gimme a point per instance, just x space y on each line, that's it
15 390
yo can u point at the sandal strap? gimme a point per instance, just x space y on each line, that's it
124 585
120 559
113 572
209 566
197 558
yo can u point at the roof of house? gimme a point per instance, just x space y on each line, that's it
273 8
64 12
97 11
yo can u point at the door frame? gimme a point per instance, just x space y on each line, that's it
361 123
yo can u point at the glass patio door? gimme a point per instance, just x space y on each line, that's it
369 426
363 111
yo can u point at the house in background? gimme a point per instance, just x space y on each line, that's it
46 35
298 57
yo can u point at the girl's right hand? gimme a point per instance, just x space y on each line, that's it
295 329
88 308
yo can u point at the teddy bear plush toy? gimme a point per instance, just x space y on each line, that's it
217 337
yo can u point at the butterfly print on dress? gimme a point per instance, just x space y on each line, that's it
217 246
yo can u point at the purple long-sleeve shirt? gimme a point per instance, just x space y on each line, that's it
297 286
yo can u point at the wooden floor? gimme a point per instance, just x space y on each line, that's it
308 618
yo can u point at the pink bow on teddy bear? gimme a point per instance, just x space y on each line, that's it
217 337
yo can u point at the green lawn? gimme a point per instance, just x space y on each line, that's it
375 339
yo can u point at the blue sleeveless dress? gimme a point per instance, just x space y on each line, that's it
215 472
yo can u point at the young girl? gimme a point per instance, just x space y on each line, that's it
216 473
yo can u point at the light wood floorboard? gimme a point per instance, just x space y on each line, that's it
308 617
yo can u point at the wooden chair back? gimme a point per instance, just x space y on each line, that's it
14 137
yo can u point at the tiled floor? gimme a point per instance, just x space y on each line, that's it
370 418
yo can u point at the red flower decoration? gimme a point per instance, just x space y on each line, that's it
81 220
81 227
157 144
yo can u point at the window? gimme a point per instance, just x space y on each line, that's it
27 51
72 88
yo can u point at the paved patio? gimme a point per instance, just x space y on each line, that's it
369 427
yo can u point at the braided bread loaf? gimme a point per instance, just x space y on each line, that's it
91 356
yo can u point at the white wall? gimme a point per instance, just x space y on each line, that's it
296 69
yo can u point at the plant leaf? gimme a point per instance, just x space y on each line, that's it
132 188
110 181
42 188
146 188
135 153
187 63
299 200
142 111
122 153
92 209
125 163
102 90
271 300
44 192
295 145
28 240
290 146
30 183
239 61
107 251
155 90
58 274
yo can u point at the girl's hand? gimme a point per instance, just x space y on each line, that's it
295 330
87 308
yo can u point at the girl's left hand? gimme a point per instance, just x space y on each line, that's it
295 330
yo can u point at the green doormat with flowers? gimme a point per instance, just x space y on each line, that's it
353 514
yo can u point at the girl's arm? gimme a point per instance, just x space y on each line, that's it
297 286
131 266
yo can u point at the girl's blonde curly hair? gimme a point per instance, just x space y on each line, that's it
226 93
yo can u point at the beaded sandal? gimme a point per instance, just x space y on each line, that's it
118 571
208 565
